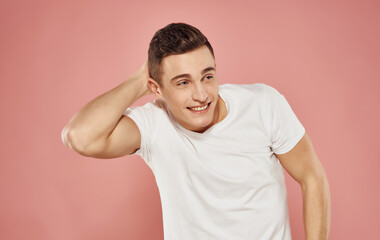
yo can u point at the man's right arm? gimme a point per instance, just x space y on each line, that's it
100 129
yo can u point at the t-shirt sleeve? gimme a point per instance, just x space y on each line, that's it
285 128
146 118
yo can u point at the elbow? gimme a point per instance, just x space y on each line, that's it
65 136
316 182
74 141
69 139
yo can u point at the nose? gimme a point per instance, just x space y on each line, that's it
199 92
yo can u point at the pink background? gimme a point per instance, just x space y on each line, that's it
55 56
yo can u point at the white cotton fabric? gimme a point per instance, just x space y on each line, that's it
225 183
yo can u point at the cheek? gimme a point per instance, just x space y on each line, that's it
213 91
178 102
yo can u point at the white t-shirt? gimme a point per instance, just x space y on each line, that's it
225 183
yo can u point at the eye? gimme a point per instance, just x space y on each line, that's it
209 77
180 83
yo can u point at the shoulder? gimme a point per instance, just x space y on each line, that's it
251 90
155 107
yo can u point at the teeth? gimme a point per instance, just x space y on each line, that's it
199 108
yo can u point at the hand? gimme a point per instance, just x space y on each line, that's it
144 76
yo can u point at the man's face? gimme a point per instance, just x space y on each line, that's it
189 80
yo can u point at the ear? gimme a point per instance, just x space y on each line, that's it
155 87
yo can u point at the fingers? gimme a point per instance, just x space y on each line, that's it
146 64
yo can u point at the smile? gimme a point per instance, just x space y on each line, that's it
200 109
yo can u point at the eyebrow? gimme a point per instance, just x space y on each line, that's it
188 75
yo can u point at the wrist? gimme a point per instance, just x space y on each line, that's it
138 83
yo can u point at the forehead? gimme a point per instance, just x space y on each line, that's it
192 62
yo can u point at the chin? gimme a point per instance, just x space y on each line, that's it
203 124
198 123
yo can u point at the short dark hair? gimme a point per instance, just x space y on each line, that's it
175 38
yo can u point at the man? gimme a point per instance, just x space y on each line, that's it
217 151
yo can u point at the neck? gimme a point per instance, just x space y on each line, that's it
218 106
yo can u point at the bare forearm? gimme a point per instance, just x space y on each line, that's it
99 117
316 210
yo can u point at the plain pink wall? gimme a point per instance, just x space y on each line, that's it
55 56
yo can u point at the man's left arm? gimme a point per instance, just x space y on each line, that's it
303 165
